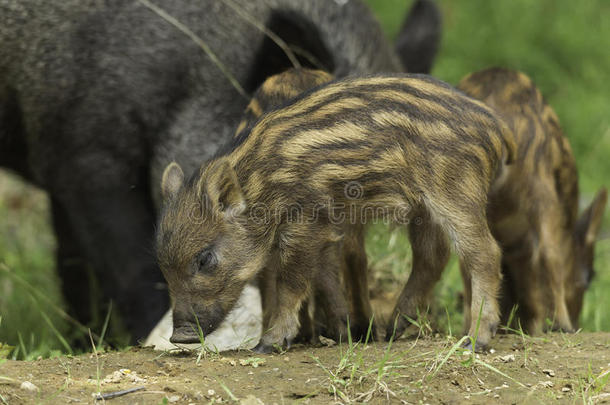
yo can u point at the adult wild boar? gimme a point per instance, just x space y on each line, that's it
97 96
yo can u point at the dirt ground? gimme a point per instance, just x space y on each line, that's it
555 368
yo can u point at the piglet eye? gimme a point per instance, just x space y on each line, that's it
206 261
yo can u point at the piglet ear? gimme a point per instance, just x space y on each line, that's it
172 180
590 220
219 184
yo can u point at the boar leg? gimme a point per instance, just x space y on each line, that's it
308 332
269 301
480 257
527 286
551 262
355 274
113 219
293 285
331 306
430 256
467 307
329 297
267 280
72 268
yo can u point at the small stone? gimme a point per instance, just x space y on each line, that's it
228 361
492 351
497 396
549 372
327 342
566 389
507 359
211 393
173 398
28 386
546 384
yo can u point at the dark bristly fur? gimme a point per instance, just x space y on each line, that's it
98 96
419 37
547 250
386 137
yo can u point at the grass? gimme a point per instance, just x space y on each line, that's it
562 45
354 372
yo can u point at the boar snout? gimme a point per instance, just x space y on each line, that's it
185 334
189 326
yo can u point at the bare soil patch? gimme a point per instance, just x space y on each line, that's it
550 369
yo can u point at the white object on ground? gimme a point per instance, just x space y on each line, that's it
241 328
28 386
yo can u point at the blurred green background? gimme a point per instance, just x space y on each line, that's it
562 44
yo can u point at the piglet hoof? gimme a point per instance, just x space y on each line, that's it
467 345
263 348
360 332
494 329
395 330
287 343
479 347
564 327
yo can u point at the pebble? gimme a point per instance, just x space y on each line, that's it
546 384
508 358
549 372
173 398
28 386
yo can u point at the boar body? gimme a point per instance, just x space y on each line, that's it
339 156
97 97
547 250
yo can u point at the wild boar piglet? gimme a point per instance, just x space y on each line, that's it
360 149
547 249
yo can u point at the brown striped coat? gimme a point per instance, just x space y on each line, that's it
342 155
547 248
334 304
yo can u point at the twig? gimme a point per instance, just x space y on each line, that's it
115 394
